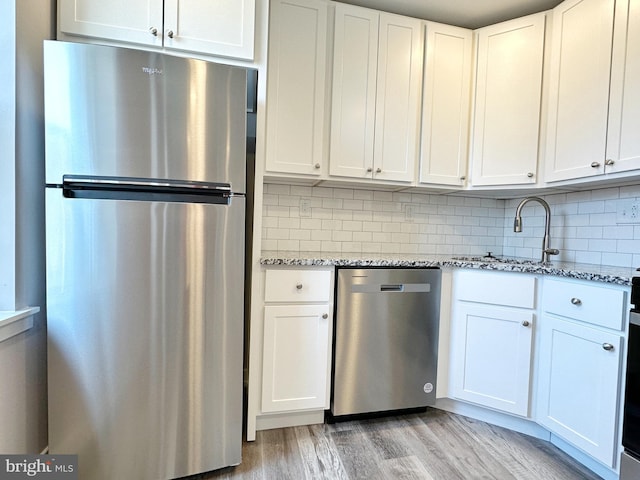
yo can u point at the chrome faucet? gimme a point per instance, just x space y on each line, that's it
517 227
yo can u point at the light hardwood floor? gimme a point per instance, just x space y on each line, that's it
435 445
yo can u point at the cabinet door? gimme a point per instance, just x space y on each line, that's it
398 93
355 60
224 28
445 104
296 355
296 87
506 120
491 356
579 385
124 20
579 88
623 143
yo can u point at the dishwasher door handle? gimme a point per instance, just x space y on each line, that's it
391 288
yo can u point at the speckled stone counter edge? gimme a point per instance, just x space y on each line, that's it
598 273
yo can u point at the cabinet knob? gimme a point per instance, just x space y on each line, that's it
370 169
170 33
607 346
463 178
317 166
530 174
153 31
576 301
526 323
325 315
378 170
609 162
299 286
595 164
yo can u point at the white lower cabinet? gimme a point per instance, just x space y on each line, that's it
579 385
580 365
491 339
494 358
296 339
295 357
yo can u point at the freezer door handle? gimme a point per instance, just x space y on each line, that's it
145 189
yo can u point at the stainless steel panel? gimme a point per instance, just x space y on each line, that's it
129 113
145 324
629 467
386 339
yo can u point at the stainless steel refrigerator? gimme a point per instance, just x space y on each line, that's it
145 225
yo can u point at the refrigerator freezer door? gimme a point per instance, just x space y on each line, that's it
145 324
119 112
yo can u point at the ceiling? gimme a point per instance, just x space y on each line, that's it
463 13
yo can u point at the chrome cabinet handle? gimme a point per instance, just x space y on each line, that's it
609 162
153 31
299 286
595 164
325 315
530 174
607 346
576 301
317 166
526 323
170 33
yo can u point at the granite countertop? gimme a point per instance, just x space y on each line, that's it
599 273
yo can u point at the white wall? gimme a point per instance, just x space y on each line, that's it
23 391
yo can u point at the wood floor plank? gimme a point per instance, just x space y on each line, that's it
436 458
471 458
280 455
405 468
524 456
320 456
435 445
358 455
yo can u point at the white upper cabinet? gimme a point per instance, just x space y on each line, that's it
223 28
297 87
623 141
506 118
445 104
377 82
135 21
579 88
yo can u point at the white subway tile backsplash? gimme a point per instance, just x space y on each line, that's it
583 224
591 207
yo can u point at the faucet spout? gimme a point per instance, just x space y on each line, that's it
517 226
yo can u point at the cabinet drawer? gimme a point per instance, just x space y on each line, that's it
498 288
297 285
599 305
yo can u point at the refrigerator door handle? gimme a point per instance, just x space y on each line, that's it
144 189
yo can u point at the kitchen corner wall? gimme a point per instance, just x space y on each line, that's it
584 227
344 220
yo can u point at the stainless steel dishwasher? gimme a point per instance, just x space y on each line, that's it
386 339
